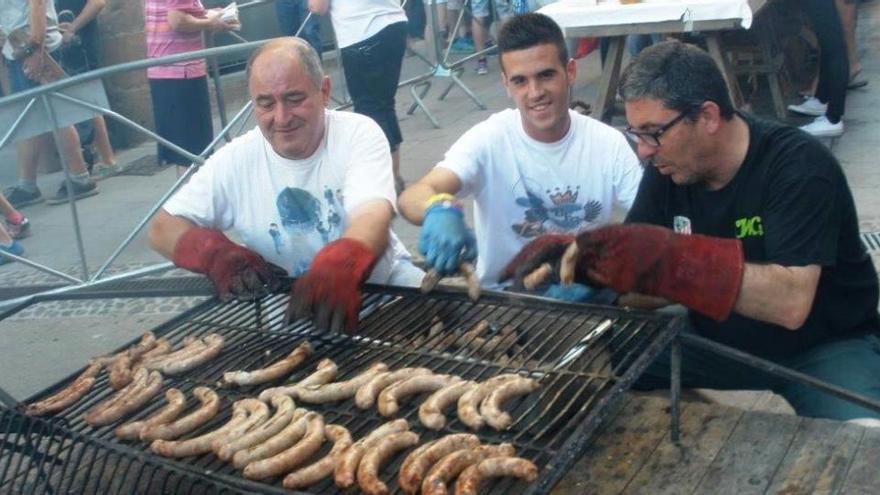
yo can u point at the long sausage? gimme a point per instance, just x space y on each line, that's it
346 466
121 373
469 403
334 392
490 408
257 411
293 457
469 480
98 414
366 395
176 402
283 413
389 399
67 396
213 346
449 467
414 467
325 373
202 443
274 444
210 406
319 470
379 454
431 411
130 402
274 371
162 347
191 346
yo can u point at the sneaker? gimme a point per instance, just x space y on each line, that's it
79 191
102 171
822 127
15 249
19 230
482 67
811 106
20 198
462 45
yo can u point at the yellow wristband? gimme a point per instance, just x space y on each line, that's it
440 198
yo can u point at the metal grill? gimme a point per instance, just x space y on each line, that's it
583 356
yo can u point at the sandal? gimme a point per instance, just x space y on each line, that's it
855 81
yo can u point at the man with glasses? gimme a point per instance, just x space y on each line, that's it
537 171
751 226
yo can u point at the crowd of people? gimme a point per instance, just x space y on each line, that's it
749 225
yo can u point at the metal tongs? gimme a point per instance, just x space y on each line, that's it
581 345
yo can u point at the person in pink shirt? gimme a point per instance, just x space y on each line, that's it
181 108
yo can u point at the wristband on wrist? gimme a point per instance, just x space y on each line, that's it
443 201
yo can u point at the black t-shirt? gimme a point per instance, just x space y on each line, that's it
789 204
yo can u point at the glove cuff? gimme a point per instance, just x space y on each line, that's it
357 257
196 248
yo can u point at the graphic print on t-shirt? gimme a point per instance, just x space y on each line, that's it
307 222
553 210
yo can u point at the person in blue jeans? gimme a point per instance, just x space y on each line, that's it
291 14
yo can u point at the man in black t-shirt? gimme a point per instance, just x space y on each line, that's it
750 225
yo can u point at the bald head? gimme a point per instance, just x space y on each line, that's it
287 50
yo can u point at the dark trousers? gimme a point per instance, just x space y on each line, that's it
852 363
291 14
182 113
833 64
372 71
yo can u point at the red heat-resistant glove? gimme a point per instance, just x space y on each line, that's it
545 249
330 291
235 271
701 272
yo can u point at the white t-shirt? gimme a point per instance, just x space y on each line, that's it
356 20
15 14
524 188
287 210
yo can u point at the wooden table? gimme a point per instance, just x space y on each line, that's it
616 34
724 450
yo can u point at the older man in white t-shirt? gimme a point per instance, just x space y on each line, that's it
309 190
538 173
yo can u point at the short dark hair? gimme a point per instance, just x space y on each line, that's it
680 75
528 30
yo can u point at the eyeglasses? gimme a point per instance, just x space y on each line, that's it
651 138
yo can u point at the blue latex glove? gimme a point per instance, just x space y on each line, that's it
571 293
445 241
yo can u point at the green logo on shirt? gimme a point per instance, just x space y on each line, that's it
749 227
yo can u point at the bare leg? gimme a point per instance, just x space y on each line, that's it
5 238
5 207
102 141
478 27
72 151
848 16
28 157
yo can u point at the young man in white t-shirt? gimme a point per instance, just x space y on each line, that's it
310 190
540 171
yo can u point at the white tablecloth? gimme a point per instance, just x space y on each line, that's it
586 13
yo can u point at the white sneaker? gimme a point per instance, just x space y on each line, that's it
822 127
811 106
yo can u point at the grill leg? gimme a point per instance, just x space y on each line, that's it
675 390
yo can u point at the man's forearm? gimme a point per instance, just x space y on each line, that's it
319 7
411 203
165 231
778 294
371 225
37 21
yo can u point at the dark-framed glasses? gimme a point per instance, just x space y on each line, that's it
651 138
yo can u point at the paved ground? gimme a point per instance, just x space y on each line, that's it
48 341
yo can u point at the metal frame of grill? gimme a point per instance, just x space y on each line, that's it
581 380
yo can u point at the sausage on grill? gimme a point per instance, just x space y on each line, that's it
490 408
293 457
449 467
346 466
284 408
431 411
274 444
319 470
469 403
274 371
390 397
257 411
325 373
69 395
417 463
202 443
176 402
191 346
469 480
366 395
210 406
379 454
213 346
121 373
334 392
97 415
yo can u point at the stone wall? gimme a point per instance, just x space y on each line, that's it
122 40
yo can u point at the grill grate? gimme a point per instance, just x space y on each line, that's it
552 425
